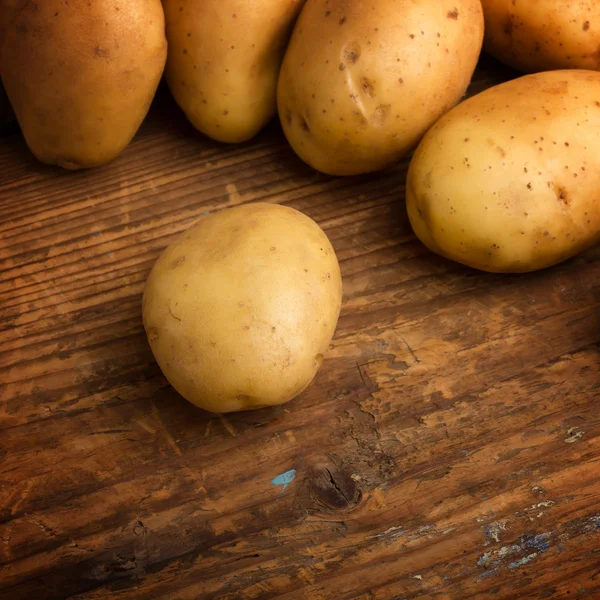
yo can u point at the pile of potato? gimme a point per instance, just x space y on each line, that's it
506 181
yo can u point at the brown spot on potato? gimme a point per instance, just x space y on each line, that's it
351 52
400 80
304 126
342 20
380 114
501 151
341 66
100 52
562 195
507 28
452 14
327 13
367 87
586 25
559 87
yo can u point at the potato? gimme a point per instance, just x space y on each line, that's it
81 75
509 180
224 59
241 309
542 35
361 82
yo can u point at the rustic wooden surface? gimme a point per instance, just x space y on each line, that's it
449 447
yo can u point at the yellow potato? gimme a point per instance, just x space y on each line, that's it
540 35
224 59
509 180
81 75
241 309
361 82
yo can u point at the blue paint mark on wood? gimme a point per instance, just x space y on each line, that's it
284 479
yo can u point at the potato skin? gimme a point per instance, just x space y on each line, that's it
81 75
509 180
361 82
224 60
541 35
241 309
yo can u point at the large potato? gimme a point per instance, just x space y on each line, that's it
361 82
81 75
241 309
224 59
509 180
539 35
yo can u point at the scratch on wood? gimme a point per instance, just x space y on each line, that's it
165 431
146 427
228 426
6 544
412 352
24 495
43 527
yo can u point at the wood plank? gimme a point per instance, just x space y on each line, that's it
449 447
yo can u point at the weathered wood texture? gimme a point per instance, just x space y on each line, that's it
449 447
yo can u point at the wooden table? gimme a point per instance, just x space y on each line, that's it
448 448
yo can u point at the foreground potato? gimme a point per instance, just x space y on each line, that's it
224 59
543 34
509 180
81 75
240 310
361 82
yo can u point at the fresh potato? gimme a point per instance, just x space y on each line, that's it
540 35
241 309
81 75
361 82
509 180
224 59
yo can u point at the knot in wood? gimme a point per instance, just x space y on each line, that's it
334 489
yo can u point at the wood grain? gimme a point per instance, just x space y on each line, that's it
448 449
